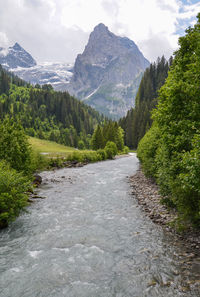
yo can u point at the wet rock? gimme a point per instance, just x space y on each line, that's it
37 180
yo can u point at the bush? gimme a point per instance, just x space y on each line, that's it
76 156
13 199
186 189
111 149
147 149
81 145
125 150
102 153
14 146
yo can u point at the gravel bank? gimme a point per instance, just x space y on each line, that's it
147 194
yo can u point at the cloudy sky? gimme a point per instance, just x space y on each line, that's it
57 30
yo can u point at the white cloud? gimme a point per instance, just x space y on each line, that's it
59 30
4 42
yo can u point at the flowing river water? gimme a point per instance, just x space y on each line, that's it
89 238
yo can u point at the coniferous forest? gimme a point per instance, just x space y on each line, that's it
138 120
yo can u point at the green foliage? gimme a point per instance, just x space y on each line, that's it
110 131
81 145
14 146
110 149
147 150
85 157
102 153
138 120
47 114
125 150
175 158
97 140
13 199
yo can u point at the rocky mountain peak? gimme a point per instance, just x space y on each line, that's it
15 56
17 46
100 28
106 75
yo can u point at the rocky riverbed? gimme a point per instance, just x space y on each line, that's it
147 194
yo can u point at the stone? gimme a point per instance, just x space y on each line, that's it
37 180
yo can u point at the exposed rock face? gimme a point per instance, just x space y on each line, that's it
107 74
15 57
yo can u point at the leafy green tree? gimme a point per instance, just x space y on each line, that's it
119 139
14 146
97 140
81 145
13 186
177 119
110 149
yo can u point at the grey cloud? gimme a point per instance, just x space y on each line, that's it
155 47
111 7
32 25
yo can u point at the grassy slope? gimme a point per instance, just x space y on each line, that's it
53 149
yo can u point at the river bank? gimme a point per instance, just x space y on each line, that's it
147 195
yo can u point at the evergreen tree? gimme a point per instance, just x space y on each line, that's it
97 140
138 120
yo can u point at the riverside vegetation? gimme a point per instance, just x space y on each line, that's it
170 150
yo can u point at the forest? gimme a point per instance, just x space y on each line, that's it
170 150
138 119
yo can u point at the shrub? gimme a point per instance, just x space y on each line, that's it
125 150
13 199
186 188
81 145
14 146
76 156
147 149
111 149
102 153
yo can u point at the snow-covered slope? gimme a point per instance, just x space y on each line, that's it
56 74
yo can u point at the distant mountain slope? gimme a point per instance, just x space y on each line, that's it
16 56
107 74
19 61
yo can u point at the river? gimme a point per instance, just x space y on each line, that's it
89 238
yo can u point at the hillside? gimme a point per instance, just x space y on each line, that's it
46 113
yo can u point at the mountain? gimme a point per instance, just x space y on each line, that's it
107 74
19 61
16 56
